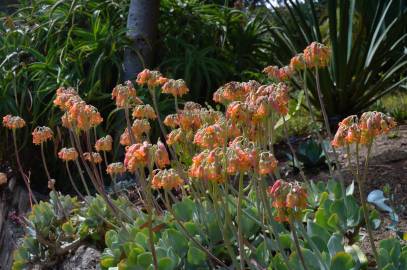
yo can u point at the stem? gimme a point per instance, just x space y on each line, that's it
328 129
296 242
82 177
322 104
364 202
127 115
146 189
226 226
59 204
75 187
239 222
160 123
20 168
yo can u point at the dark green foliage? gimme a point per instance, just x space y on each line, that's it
215 44
47 44
367 40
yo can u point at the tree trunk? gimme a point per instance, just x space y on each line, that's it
142 26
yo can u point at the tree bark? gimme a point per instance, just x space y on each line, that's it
142 28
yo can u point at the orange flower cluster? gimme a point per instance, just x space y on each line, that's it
364 130
317 55
83 116
297 62
161 157
208 166
234 91
78 114
68 154
65 97
288 199
177 88
238 112
176 136
93 157
267 163
139 128
278 74
166 179
151 78
185 119
189 120
212 136
41 135
104 144
116 168
241 156
125 95
137 156
13 122
144 111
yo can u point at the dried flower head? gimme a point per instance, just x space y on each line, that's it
166 179
116 168
177 88
137 156
41 135
68 154
125 95
13 122
317 55
144 111
94 157
104 144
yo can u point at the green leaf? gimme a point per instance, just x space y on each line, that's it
166 263
110 238
342 261
108 262
145 259
196 256
335 244
185 209
177 241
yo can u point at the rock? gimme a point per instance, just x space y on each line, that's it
84 258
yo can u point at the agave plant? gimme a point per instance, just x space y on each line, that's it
367 39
